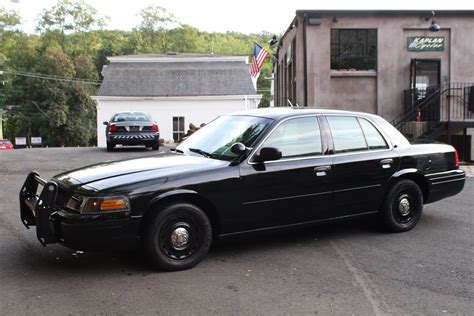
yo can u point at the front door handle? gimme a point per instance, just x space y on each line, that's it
386 163
322 170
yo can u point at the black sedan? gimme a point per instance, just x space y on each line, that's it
249 171
131 129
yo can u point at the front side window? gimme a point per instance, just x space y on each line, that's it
178 128
297 137
216 138
346 133
353 49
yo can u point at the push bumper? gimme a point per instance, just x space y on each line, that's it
445 184
133 139
55 225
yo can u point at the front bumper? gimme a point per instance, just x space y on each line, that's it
445 184
56 225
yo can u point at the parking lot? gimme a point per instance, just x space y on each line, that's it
338 269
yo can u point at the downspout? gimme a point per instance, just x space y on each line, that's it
305 62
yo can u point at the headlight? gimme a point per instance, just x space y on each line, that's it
105 204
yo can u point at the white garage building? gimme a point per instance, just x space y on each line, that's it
175 90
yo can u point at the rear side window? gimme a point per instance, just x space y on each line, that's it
372 135
347 134
296 137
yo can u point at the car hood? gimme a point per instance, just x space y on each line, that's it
101 175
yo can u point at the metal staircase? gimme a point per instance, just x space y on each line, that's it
431 112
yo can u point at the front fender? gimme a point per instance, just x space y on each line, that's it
168 194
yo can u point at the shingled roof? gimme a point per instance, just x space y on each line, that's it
176 75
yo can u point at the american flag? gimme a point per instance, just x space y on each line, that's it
259 55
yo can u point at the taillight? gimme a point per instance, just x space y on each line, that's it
113 128
154 128
456 157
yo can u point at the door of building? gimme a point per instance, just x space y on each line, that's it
424 87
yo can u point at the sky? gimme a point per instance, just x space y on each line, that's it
245 16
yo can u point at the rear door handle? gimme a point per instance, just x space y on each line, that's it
386 163
322 170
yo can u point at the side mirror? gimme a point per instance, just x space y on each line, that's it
268 154
105 123
238 149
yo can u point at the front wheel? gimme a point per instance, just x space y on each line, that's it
179 237
403 206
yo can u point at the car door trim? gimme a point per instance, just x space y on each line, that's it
286 198
296 224
358 188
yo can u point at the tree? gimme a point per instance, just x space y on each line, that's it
70 16
153 29
48 98
81 119
9 20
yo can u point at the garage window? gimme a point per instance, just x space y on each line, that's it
178 128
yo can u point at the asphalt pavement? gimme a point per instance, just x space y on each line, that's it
348 268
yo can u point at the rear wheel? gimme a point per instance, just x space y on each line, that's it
110 146
403 206
156 145
179 237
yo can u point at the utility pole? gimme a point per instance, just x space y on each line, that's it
2 84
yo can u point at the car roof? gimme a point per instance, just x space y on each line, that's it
282 112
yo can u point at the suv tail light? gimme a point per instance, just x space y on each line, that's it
113 128
154 128
456 157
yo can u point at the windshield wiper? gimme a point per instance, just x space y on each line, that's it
176 150
201 152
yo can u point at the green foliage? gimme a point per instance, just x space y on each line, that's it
9 20
69 15
72 44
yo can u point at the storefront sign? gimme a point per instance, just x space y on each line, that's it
425 43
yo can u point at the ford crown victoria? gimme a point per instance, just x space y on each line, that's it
248 171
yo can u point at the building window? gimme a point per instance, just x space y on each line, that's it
353 49
178 128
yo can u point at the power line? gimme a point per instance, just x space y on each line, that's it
52 77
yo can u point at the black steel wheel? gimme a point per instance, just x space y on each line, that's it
403 206
179 237
110 146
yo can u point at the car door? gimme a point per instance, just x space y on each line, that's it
293 189
363 162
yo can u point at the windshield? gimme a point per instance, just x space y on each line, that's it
215 139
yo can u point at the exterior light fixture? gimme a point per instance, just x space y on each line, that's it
273 41
434 27
334 19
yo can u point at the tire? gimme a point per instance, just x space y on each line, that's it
403 206
165 241
110 146
156 145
